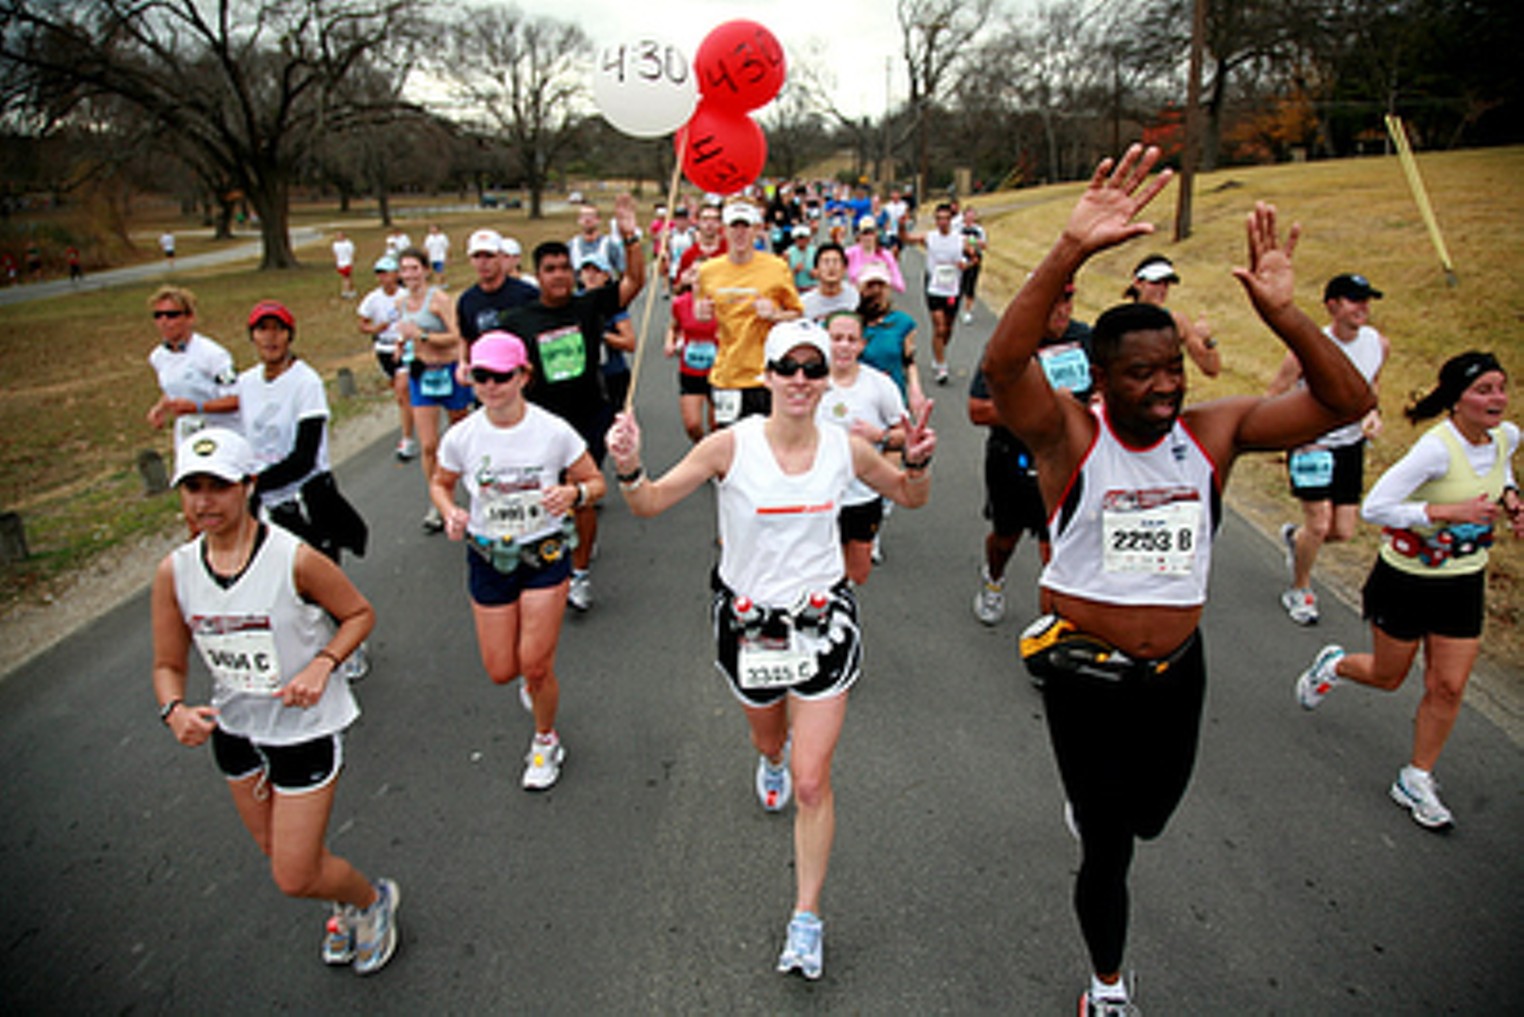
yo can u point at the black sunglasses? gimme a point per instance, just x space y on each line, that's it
788 367
481 375
169 314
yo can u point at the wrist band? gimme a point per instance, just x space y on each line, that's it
919 465
326 652
632 476
169 708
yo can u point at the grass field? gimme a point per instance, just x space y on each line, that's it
1357 215
77 384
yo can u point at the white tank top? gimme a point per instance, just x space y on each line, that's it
1135 526
254 637
778 532
943 252
1364 351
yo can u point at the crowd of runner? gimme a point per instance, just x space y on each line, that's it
800 391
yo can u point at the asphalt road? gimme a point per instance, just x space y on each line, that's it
649 881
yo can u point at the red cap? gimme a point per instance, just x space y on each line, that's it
271 309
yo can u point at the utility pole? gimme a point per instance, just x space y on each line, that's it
1188 157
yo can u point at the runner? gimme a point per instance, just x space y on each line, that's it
868 251
1436 507
512 455
246 593
693 343
1150 284
890 335
1012 499
1328 475
434 352
436 243
865 402
785 617
944 268
563 330
975 240
196 374
166 244
379 316
1133 490
344 264
832 292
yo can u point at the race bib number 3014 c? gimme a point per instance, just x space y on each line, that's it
1150 531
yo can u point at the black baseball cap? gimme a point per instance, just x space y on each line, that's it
1350 286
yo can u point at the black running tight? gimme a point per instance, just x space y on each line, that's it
1125 751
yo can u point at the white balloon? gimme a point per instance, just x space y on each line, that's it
644 86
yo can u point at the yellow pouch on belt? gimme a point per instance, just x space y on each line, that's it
1052 646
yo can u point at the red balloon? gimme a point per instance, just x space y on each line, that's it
740 66
725 150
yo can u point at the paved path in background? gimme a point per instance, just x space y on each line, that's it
649 881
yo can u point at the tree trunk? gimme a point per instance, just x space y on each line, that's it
384 204
272 203
222 226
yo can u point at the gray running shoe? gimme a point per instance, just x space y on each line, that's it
775 785
357 665
580 594
989 602
1301 605
433 522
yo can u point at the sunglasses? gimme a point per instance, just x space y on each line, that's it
481 376
788 367
169 314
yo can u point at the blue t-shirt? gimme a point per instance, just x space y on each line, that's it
885 347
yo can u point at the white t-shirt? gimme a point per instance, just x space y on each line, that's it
201 372
378 307
167 243
271 411
507 469
437 245
343 253
817 305
944 253
398 242
1366 353
873 398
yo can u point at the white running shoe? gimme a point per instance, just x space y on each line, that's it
968 317
375 929
775 785
1106 1006
542 763
876 554
1417 791
407 449
433 522
1314 684
941 373
580 594
525 699
805 948
1301 605
989 602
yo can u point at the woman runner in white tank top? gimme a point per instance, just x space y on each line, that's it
256 602
785 617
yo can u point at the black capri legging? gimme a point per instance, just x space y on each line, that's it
1125 752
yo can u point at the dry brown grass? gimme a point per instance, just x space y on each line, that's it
1358 215
77 385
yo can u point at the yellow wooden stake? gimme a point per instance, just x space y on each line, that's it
1420 195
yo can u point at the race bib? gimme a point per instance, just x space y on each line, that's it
1150 531
1311 468
771 663
727 405
1066 366
563 353
435 382
699 356
240 652
513 515
944 279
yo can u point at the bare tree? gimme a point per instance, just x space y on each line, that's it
522 75
246 83
937 36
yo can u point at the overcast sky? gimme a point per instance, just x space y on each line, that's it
857 34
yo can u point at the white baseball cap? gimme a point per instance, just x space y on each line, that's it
741 211
215 451
787 335
484 242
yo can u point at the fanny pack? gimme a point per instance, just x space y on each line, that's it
508 555
1457 540
1053 647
